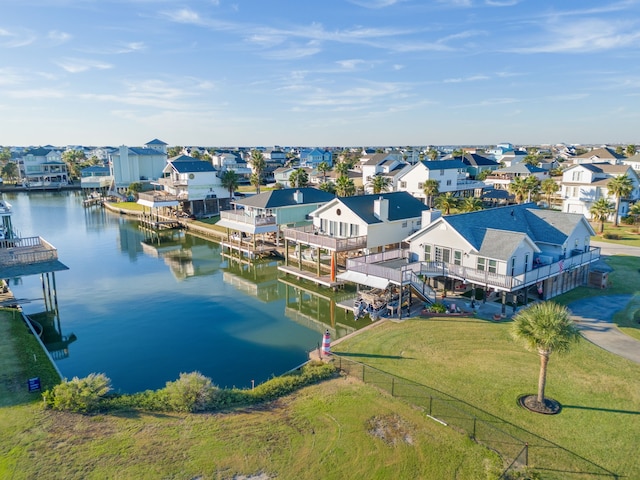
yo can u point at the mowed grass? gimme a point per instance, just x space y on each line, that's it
337 429
478 362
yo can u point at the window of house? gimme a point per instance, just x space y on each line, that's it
576 176
427 253
443 255
403 184
442 172
420 185
481 264
448 182
404 224
492 266
457 257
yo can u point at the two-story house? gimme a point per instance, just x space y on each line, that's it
501 179
312 158
517 249
585 183
389 165
451 176
599 155
43 167
133 164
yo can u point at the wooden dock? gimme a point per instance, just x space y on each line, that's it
324 280
92 202
237 249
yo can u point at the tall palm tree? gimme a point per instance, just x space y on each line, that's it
229 181
446 202
380 184
431 189
519 188
600 210
532 187
631 150
323 168
620 187
258 164
328 187
345 186
433 154
341 168
255 181
299 178
471 204
549 187
545 328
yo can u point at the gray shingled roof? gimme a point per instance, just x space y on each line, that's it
542 226
144 151
284 198
499 244
402 205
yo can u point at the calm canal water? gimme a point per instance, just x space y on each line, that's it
144 312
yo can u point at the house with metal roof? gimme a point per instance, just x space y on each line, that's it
517 249
389 165
599 155
502 178
192 179
43 167
137 164
585 183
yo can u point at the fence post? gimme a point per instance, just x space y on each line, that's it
526 454
392 385
363 367
339 363
430 404
474 428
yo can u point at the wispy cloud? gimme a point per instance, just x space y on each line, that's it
456 3
58 37
36 93
568 97
489 102
79 65
473 78
375 3
504 3
12 39
584 36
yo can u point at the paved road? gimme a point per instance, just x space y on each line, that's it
613 249
593 317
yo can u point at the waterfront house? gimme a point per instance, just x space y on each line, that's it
43 167
134 164
585 183
521 250
389 165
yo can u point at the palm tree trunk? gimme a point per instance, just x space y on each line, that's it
615 215
542 379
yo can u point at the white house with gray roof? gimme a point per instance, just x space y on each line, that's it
509 249
451 176
135 164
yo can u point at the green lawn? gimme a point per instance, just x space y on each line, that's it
478 362
629 234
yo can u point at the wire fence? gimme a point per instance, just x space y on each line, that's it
519 449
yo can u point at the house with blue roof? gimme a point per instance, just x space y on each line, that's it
521 250
311 158
43 167
137 164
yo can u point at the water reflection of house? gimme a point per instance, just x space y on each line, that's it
48 323
318 311
188 257
258 279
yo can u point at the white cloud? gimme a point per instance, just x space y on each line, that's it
58 37
11 39
505 3
375 3
78 65
473 78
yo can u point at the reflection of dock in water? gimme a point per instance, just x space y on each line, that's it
51 334
258 278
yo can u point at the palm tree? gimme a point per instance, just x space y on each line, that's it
545 328
433 154
328 187
631 150
323 168
471 204
258 164
446 202
600 210
299 178
345 186
620 187
532 186
341 168
431 189
549 187
229 181
634 211
255 181
519 188
10 171
380 184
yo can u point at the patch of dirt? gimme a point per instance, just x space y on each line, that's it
391 429
548 407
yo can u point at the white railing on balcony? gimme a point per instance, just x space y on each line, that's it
157 197
508 282
248 219
371 265
18 251
308 235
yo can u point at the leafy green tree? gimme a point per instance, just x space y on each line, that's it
328 187
471 204
532 160
482 175
345 187
5 155
299 178
519 189
324 168
254 180
549 187
380 183
600 210
229 181
545 328
634 211
431 189
631 150
533 187
341 168
620 187
433 154
446 202
620 150
10 171
258 164
173 151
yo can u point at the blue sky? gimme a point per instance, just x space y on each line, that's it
325 73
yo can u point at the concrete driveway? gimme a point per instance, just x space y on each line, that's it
593 318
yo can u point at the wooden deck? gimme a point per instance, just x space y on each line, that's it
248 250
324 280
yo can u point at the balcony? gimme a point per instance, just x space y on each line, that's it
256 221
310 235
508 282
26 251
